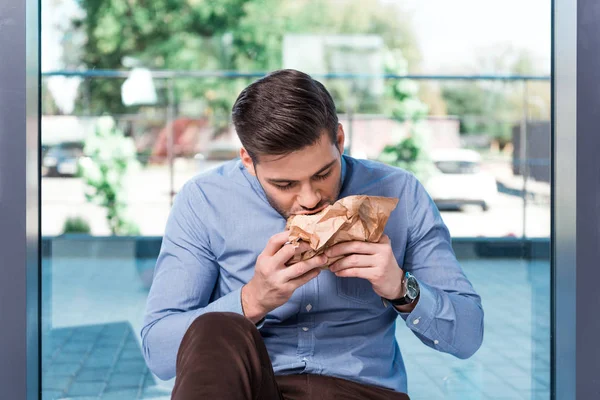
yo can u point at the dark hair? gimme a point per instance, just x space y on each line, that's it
283 112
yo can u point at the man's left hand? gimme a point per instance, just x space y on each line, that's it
372 261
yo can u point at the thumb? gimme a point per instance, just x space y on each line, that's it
384 239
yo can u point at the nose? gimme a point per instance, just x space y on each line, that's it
309 198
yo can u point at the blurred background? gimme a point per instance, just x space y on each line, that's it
136 100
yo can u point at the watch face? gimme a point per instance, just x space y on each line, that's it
412 287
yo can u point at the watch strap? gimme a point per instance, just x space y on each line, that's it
402 301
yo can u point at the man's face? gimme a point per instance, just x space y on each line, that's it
302 182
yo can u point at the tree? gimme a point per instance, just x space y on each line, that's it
240 35
109 157
159 34
494 107
386 20
411 153
480 108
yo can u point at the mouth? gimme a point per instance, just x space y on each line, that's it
313 212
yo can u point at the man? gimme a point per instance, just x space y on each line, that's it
232 321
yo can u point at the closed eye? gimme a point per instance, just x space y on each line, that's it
322 176
287 186
290 185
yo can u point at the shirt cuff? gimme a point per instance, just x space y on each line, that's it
420 318
231 302
237 295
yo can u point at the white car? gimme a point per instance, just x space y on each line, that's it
458 180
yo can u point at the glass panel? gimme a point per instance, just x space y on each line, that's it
472 122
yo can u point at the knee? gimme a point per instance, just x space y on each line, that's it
223 325
215 337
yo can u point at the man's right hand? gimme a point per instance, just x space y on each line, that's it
273 282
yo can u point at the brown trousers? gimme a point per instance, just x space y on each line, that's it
223 356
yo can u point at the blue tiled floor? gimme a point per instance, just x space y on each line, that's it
94 361
514 360
93 312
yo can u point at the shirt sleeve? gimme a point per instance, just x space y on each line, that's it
185 277
449 315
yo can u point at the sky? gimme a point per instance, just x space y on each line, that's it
452 32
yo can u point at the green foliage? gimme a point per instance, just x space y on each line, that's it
235 35
403 155
76 225
404 103
492 108
159 34
483 110
404 106
409 154
109 157
374 17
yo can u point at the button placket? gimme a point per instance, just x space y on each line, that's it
306 322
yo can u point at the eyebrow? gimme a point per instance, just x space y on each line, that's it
326 167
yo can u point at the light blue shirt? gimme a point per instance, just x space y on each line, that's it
221 221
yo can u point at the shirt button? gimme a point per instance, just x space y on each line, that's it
416 321
308 307
436 342
305 329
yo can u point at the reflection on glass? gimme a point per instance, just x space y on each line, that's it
481 147
458 167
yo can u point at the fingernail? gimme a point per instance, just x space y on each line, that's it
323 259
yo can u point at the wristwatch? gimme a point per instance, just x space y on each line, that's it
411 290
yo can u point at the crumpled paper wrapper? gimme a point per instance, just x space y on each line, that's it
352 218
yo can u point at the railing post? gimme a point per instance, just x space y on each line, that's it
170 138
523 158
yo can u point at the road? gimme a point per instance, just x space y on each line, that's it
149 204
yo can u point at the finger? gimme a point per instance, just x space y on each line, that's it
307 277
276 242
354 247
284 255
353 261
288 251
364 273
302 247
385 239
297 270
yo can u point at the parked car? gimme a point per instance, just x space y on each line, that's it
62 159
458 180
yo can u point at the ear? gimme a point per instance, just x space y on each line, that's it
247 161
340 138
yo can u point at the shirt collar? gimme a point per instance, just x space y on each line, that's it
253 180
344 171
